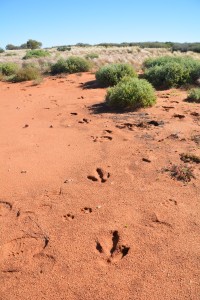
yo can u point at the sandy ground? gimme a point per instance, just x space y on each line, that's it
87 208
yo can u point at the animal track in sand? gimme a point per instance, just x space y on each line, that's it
17 253
154 221
116 251
102 138
179 116
68 217
84 121
170 202
143 124
5 208
101 175
87 210
44 262
32 229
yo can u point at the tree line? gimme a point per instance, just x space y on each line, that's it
182 47
30 44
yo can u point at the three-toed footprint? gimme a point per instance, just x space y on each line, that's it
112 249
101 175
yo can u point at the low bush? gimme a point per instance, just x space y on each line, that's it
2 50
27 73
36 54
169 71
170 75
73 64
59 67
194 95
8 69
131 93
63 48
111 74
159 61
91 56
77 64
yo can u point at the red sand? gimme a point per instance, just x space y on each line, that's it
86 210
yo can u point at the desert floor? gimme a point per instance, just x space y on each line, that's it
88 206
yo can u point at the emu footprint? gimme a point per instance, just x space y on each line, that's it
102 175
117 250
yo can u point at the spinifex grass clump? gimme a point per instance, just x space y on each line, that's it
131 93
91 55
27 73
111 74
8 69
194 95
73 64
169 71
37 53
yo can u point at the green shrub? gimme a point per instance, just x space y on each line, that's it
170 75
73 64
1 50
131 93
36 54
27 73
63 48
8 69
160 61
194 95
91 56
169 71
111 74
77 64
59 67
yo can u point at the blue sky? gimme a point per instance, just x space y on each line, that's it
60 22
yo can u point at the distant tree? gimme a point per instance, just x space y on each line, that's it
1 50
11 47
33 44
23 46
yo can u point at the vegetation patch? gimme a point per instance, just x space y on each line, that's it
64 48
194 95
111 74
8 69
131 93
27 73
37 53
169 71
182 173
92 56
73 64
196 139
187 157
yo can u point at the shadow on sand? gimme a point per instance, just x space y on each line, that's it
103 108
93 84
